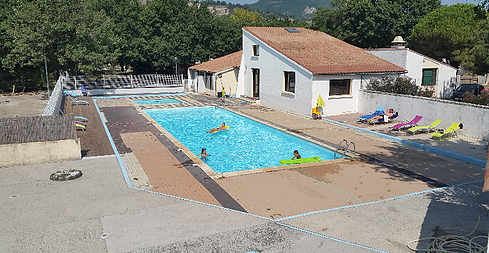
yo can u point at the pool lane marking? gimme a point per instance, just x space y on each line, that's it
443 152
379 201
129 184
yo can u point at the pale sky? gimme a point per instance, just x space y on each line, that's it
444 2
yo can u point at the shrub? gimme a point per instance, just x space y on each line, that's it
399 85
481 99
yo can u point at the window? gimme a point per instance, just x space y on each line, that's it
339 87
429 76
289 78
256 50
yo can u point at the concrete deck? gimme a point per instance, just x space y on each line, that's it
379 202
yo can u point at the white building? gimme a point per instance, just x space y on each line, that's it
424 70
287 68
215 75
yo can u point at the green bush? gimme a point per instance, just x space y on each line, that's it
399 85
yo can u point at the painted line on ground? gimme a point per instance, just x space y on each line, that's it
117 155
331 238
457 156
379 201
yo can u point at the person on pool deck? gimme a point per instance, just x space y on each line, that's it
388 114
296 155
222 127
204 154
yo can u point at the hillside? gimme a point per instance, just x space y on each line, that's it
294 9
297 9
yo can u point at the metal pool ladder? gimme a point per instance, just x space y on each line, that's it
346 149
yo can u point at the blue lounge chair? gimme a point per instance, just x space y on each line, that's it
77 101
384 119
380 111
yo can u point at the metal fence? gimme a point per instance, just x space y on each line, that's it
123 81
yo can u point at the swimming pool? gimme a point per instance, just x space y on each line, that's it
157 101
247 144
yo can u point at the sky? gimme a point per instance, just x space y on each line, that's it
443 2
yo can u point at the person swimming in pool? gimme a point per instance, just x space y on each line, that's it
296 155
204 154
222 127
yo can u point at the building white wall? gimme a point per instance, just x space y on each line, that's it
414 66
447 77
336 104
414 62
475 118
307 87
272 66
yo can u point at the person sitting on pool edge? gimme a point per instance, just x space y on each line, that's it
222 127
204 154
296 155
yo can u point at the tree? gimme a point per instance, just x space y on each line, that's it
371 23
481 49
70 34
448 33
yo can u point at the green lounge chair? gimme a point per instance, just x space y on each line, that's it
452 130
427 128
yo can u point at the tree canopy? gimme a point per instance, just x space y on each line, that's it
448 32
371 23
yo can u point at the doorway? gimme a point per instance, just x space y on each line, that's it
256 82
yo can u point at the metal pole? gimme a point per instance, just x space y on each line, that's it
46 70
176 66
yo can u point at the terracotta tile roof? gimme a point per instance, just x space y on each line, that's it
221 63
321 53
394 48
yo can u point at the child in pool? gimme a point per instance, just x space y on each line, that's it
204 154
296 155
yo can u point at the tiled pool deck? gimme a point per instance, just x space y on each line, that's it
385 169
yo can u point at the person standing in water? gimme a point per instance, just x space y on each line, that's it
296 155
204 154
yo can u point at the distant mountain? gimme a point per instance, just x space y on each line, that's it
297 9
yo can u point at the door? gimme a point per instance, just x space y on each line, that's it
256 82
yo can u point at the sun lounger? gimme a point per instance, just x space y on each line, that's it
384 119
380 111
76 117
428 128
69 93
78 101
449 132
411 123
80 127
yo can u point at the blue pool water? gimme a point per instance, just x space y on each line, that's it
157 101
246 145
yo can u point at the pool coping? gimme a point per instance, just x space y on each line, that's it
214 175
